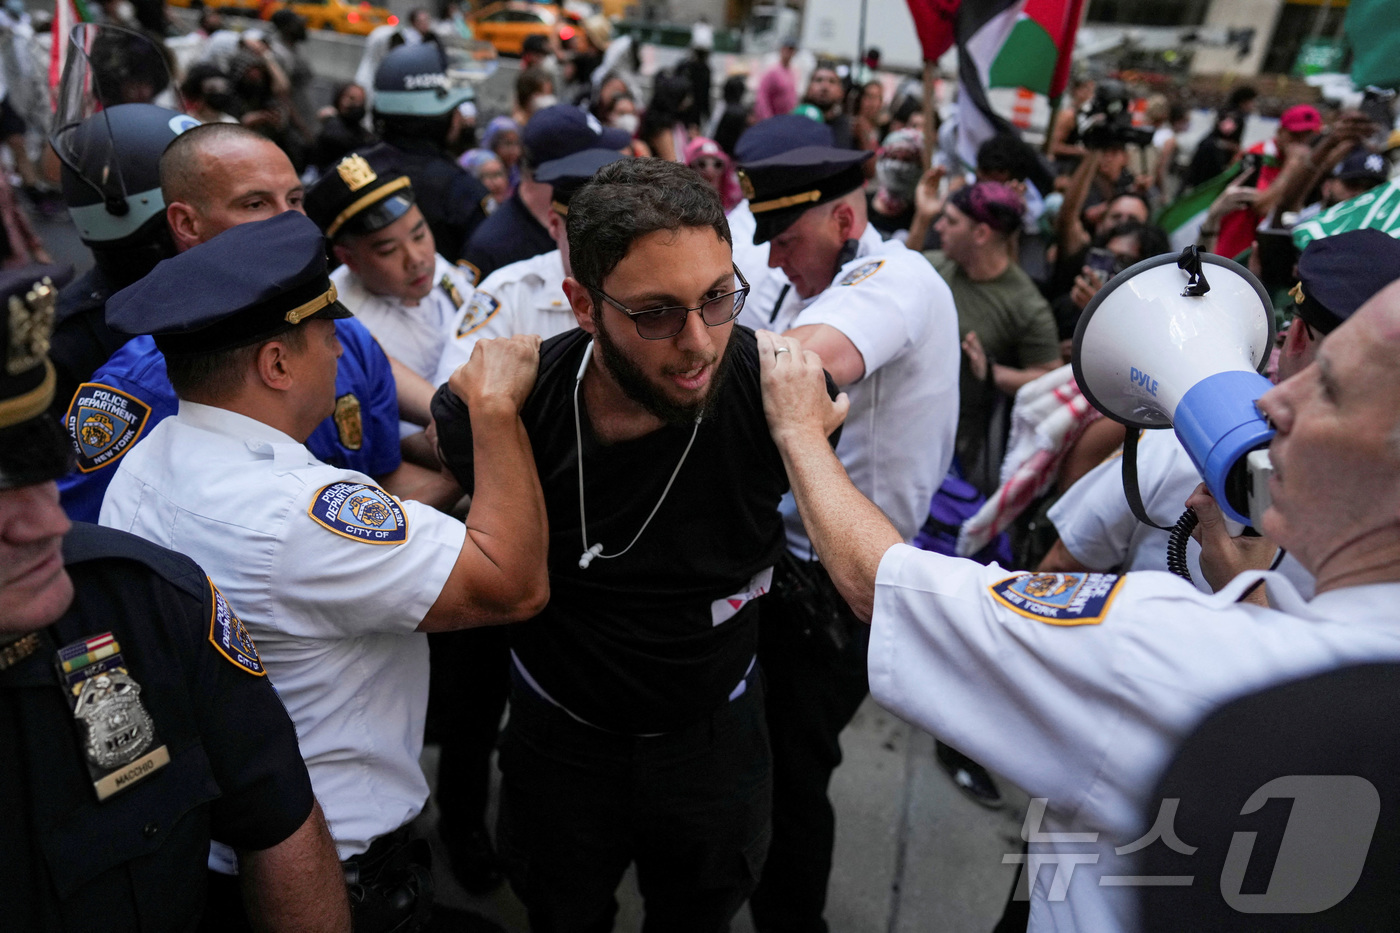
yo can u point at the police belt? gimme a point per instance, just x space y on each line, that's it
390 884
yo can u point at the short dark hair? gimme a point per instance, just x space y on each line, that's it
211 378
183 160
629 199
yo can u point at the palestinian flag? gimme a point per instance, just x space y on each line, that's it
1182 218
1012 44
1379 208
66 15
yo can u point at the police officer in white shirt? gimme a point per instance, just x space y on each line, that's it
886 329
1078 687
331 574
392 276
527 297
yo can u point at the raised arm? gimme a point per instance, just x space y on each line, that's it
500 575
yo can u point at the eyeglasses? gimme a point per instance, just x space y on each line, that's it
661 323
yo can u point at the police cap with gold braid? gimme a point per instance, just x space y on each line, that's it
783 187
572 172
248 284
358 197
1338 274
34 448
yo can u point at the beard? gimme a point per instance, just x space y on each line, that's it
639 388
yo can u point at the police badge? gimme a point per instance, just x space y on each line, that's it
117 735
348 424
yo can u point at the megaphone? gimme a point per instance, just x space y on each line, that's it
1181 342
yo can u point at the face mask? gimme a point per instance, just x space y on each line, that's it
626 122
125 12
353 115
541 101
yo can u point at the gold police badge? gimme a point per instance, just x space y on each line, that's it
348 423
745 185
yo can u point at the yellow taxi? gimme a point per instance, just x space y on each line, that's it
506 24
337 15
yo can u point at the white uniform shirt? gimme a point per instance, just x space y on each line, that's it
897 442
525 297
1087 710
1098 527
332 615
415 335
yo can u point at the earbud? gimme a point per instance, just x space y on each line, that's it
587 556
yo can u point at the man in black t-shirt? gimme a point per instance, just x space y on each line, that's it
637 730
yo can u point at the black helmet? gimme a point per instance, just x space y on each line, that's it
415 81
111 169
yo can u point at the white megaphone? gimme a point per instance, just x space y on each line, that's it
1180 342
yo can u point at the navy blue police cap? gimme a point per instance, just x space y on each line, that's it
572 172
248 284
562 130
782 188
780 134
358 197
1338 274
34 447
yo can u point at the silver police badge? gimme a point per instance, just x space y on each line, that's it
116 727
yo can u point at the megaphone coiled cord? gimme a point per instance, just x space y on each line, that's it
1176 544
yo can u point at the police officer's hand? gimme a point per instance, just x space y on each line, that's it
795 399
501 372
1224 557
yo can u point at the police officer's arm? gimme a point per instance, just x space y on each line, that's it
500 575
297 885
415 393
848 531
838 354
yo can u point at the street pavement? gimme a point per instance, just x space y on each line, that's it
913 854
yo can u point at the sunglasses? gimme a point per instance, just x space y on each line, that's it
661 323
702 164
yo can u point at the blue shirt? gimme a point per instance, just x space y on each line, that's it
131 393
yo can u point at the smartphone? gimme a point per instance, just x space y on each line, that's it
1102 261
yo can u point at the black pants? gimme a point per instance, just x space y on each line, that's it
578 805
469 685
812 650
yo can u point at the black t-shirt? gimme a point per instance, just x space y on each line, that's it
137 859
632 644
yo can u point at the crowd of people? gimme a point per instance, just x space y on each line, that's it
675 421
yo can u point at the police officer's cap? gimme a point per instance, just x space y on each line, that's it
1338 274
571 173
780 134
780 189
358 197
561 130
413 81
248 284
34 448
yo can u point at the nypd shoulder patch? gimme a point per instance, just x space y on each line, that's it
1059 598
861 272
360 511
104 423
226 633
480 309
473 273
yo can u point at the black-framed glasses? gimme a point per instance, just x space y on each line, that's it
661 323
